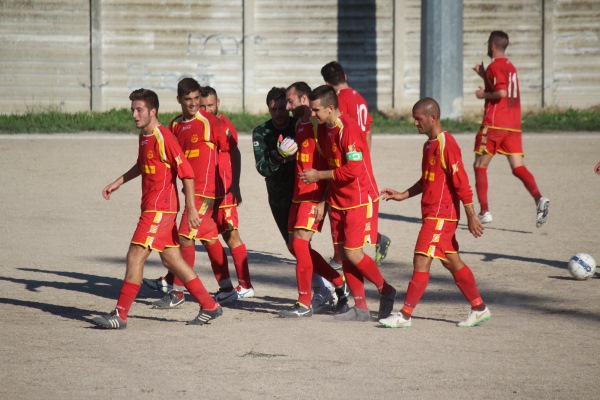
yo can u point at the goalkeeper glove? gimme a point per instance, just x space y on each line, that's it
286 147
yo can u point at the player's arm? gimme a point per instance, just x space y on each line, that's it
391 194
480 93
473 222
236 172
190 202
133 173
497 82
267 160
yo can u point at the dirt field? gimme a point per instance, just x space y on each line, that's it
62 262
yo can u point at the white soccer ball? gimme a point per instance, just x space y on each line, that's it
582 266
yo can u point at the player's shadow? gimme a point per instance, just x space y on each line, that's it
511 257
401 218
91 284
66 312
465 227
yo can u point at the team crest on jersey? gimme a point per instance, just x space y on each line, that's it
334 148
432 161
305 143
194 138
150 154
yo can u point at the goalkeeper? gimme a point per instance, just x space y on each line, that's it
275 159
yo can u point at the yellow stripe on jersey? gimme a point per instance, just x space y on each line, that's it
206 132
161 145
441 138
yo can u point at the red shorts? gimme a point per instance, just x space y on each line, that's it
227 218
208 227
156 230
349 226
302 216
492 141
437 237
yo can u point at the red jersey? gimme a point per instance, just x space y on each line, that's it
504 113
201 139
445 182
309 156
161 161
225 173
351 103
347 152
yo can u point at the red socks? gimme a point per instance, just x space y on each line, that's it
356 283
218 261
240 260
322 267
189 256
304 270
466 283
528 180
128 294
198 291
481 187
416 288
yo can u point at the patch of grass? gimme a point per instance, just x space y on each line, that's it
119 121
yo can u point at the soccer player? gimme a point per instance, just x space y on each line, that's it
278 169
443 185
229 196
160 161
308 209
352 191
201 136
500 130
350 102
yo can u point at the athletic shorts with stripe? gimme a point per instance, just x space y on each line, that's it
437 237
302 216
492 141
349 226
208 227
156 230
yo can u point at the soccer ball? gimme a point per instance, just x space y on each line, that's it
581 266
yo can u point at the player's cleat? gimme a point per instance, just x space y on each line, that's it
485 218
322 300
243 293
354 314
110 321
542 211
342 293
381 249
159 284
170 300
386 304
396 320
205 315
475 318
224 296
297 311
335 265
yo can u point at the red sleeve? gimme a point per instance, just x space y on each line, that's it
175 157
497 79
454 167
351 142
221 135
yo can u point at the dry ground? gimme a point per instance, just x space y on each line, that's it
62 261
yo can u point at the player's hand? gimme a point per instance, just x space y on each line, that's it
597 169
475 226
480 93
309 176
193 218
391 194
320 211
286 147
107 191
479 69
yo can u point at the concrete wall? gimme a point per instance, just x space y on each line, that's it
76 56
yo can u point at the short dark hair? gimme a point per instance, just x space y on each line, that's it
429 106
301 87
187 86
275 93
333 73
206 91
499 38
146 95
326 94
